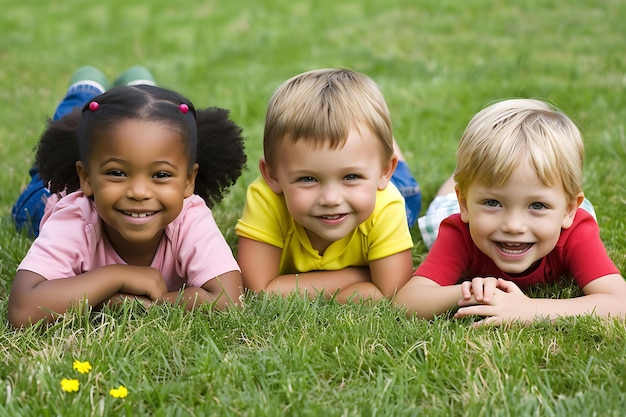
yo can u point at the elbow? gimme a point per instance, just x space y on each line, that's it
24 314
18 317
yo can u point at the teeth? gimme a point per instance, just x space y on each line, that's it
139 215
335 217
514 248
511 251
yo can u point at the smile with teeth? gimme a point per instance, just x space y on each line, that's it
332 217
138 215
514 248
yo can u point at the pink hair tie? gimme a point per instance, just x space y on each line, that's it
184 108
93 106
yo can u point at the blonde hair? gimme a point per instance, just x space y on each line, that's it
321 106
502 135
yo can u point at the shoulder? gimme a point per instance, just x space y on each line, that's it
195 214
389 204
260 189
261 199
454 232
265 215
584 226
454 224
74 206
389 195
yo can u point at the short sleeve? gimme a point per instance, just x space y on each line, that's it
265 217
388 232
66 241
200 248
450 255
584 253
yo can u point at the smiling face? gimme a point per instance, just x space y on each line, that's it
518 223
330 191
138 174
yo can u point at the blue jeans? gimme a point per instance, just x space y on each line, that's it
410 190
29 207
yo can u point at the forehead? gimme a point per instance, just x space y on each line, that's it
361 136
358 151
523 181
135 137
138 131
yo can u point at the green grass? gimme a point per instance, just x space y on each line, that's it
437 63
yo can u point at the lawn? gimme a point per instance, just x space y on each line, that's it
437 64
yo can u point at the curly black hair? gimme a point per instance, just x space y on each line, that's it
214 141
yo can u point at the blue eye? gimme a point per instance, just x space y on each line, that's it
538 206
351 177
491 203
306 179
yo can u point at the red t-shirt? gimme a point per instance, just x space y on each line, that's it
578 253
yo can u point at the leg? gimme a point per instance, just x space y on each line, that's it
85 84
408 186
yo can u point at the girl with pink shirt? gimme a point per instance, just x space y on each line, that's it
138 168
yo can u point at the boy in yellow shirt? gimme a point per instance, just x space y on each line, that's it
323 217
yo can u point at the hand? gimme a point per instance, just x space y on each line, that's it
143 281
120 298
482 289
507 303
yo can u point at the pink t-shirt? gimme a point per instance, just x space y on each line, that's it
71 242
579 252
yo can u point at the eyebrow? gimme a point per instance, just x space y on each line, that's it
123 161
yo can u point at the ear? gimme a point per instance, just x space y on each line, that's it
190 184
462 204
269 176
570 210
387 172
84 178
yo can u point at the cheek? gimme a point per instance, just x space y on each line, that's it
298 199
480 225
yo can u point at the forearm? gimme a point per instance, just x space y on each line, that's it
46 299
360 292
192 298
601 305
314 283
427 300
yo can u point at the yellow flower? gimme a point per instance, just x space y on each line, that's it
70 385
119 392
82 367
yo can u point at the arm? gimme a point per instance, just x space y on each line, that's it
388 275
603 296
220 292
427 299
34 298
259 264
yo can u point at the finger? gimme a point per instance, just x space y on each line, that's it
486 322
489 290
477 288
506 286
466 290
473 310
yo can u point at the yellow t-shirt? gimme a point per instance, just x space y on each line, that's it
266 219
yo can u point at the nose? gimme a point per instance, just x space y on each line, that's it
514 222
138 189
330 195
